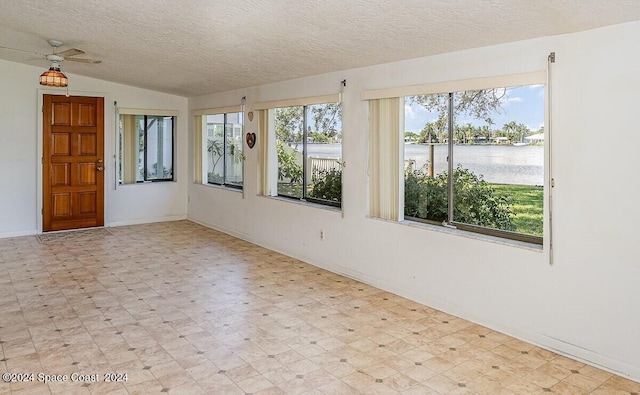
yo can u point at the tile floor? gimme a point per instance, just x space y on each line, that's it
184 309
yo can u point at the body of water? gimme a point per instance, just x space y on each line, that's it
500 164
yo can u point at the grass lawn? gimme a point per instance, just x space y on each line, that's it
527 206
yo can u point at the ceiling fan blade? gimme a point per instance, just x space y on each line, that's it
21 50
83 60
70 52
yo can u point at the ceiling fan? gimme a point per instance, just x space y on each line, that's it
68 55
54 76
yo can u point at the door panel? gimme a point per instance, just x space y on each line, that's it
87 204
61 205
86 114
61 115
87 173
73 153
61 144
88 144
60 174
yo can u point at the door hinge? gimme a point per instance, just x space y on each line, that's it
42 211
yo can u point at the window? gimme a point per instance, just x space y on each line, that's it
475 160
224 149
146 148
309 152
218 155
466 154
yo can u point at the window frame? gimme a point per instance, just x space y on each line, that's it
200 166
450 87
451 195
305 176
225 182
122 144
146 149
268 152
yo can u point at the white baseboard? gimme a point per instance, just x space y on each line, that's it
242 236
139 221
6 235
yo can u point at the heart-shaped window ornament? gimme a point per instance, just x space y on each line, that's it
251 140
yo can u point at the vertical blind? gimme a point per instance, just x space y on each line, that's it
197 149
384 158
130 149
263 153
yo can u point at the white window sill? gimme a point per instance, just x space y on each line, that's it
133 184
303 203
467 234
219 187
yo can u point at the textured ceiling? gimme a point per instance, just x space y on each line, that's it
207 46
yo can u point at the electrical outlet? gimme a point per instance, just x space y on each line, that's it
322 235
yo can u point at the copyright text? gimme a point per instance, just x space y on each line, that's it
9 377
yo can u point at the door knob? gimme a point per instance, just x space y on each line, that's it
99 168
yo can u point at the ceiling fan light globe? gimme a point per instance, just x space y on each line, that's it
54 77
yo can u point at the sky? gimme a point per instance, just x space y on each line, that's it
523 104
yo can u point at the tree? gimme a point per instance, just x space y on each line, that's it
522 130
477 104
215 150
475 202
464 133
515 131
486 132
323 119
328 185
411 136
288 167
289 124
434 131
326 119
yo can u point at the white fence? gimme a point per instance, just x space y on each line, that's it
316 167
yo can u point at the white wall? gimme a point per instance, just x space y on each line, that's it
587 304
21 148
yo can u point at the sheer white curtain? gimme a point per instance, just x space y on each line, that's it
385 121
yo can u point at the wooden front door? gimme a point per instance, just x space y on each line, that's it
73 162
